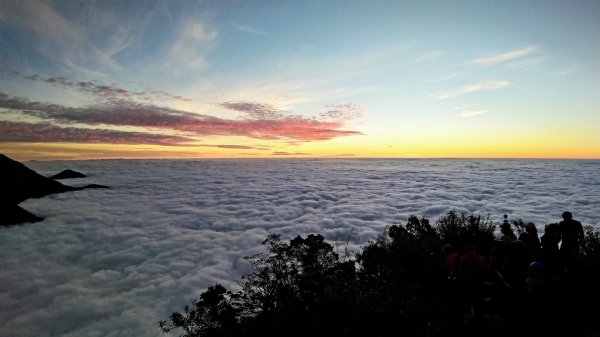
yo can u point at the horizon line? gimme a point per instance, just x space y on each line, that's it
312 158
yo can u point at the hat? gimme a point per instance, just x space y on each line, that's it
447 248
537 265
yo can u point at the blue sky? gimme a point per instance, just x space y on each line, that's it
300 78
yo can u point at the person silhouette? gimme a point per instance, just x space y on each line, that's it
533 241
571 236
507 233
471 273
550 253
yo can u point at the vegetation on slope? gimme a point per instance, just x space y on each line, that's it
403 283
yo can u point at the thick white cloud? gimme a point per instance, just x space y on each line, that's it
113 262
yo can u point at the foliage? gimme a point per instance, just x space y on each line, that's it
396 283
462 230
288 284
213 314
585 294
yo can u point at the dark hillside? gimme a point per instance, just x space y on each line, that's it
19 183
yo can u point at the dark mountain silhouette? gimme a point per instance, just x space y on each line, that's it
19 183
13 214
89 186
68 174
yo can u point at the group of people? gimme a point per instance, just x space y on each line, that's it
558 248
522 280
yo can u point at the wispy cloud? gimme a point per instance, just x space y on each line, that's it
42 19
95 39
429 56
504 56
249 29
468 110
189 51
72 42
45 132
441 77
527 63
472 88
471 113
262 33
568 70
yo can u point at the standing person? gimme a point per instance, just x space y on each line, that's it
507 233
471 272
550 254
450 255
452 292
533 241
571 235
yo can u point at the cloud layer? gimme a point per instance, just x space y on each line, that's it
113 262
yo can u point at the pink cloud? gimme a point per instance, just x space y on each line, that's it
265 122
301 129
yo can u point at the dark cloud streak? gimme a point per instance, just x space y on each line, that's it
341 112
284 153
237 147
46 132
110 92
254 110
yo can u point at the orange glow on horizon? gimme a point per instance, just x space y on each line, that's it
68 151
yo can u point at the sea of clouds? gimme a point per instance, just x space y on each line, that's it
113 262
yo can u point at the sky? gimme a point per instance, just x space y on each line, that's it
229 79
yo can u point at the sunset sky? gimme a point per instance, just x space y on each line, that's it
210 79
